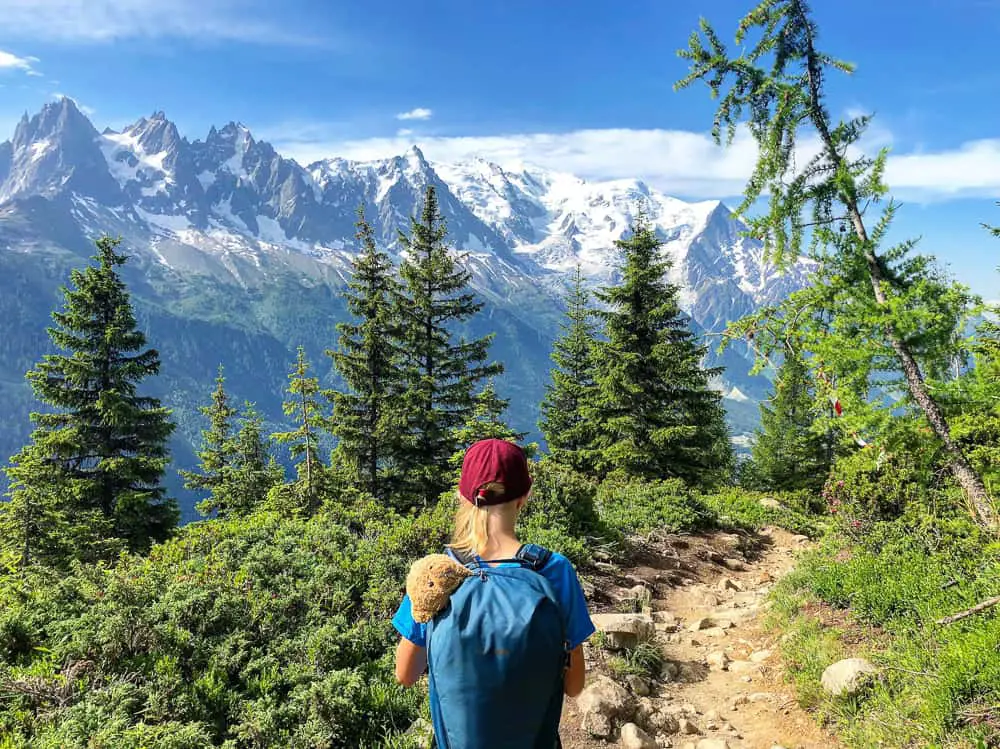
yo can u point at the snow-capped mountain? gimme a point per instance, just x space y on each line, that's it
232 211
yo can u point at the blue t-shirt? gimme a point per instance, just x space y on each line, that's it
565 584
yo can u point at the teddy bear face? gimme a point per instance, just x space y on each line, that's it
431 582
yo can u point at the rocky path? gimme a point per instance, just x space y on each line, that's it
720 686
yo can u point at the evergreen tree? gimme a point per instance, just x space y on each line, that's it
565 423
776 85
440 375
368 361
788 452
303 407
254 470
102 449
654 412
215 457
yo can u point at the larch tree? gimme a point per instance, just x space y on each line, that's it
776 87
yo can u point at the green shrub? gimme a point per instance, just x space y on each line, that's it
649 507
741 509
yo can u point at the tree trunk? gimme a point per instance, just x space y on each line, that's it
967 477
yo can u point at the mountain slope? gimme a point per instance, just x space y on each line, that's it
240 253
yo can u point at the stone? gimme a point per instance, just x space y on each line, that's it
713 632
727 583
736 565
742 667
800 539
761 697
748 679
634 737
664 621
624 631
765 577
713 744
597 725
709 599
669 671
698 624
718 660
760 656
738 701
639 686
663 723
603 697
848 677
687 726
777 746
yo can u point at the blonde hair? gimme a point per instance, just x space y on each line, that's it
472 523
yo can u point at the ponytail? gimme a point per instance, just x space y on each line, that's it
472 531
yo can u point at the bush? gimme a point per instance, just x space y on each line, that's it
649 507
740 509
255 632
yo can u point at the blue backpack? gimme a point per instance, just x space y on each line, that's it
496 658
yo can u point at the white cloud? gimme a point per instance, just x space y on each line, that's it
97 21
404 132
420 113
682 163
10 61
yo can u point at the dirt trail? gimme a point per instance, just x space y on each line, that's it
708 600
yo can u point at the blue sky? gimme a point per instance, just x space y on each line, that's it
583 86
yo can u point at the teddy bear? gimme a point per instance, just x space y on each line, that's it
430 583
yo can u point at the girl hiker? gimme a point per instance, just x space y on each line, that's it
507 643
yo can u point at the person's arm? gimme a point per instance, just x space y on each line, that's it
411 662
576 674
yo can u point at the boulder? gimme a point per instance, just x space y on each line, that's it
669 671
663 723
603 697
699 624
760 656
685 725
624 631
848 677
634 737
639 686
664 621
727 583
597 725
736 565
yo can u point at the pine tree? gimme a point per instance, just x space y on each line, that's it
654 412
484 422
215 457
304 408
440 376
102 449
254 470
788 452
776 86
565 423
368 361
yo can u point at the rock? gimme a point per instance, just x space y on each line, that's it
639 686
736 565
761 697
624 631
422 730
777 746
738 701
644 710
603 697
760 656
718 660
634 737
765 577
727 583
669 671
709 599
742 667
847 677
597 725
713 744
747 679
687 726
699 624
663 723
606 568
800 539
771 503
588 588
664 621
713 632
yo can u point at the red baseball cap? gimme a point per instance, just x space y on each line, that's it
494 461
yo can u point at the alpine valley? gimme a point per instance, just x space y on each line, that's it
239 256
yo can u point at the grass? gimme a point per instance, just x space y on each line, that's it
646 660
879 597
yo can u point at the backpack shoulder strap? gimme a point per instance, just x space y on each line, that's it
533 556
470 562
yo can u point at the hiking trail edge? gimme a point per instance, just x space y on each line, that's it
721 686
